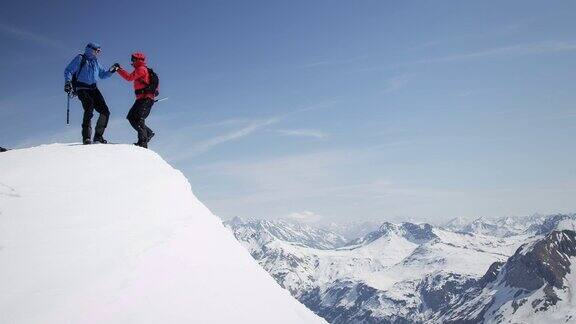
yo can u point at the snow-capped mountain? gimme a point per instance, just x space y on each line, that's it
499 227
113 234
414 273
535 285
416 233
350 230
263 232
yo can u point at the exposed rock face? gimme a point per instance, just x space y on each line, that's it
547 262
440 290
526 286
419 234
491 274
344 302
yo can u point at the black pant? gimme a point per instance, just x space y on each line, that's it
92 100
137 118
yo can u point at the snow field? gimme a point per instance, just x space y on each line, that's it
113 234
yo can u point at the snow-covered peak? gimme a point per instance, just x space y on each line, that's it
351 230
287 231
113 234
503 226
566 224
554 223
487 227
415 233
456 224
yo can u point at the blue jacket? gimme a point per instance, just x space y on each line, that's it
91 71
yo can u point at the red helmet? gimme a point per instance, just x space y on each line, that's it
138 57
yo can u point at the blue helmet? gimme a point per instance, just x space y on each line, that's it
93 46
90 48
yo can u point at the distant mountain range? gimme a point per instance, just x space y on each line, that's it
513 269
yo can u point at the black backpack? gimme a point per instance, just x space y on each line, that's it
152 86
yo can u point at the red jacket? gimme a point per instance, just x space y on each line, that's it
139 76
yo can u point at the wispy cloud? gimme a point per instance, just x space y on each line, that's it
26 35
469 93
245 131
322 105
518 50
396 83
304 217
328 182
246 128
333 62
318 134
498 32
225 122
206 145
318 182
274 175
507 51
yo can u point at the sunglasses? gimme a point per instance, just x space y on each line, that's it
96 49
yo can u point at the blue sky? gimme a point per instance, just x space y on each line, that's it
323 110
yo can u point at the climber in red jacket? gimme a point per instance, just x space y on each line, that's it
146 89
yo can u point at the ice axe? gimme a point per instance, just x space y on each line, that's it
71 94
68 108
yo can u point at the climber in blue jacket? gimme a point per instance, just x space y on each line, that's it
80 78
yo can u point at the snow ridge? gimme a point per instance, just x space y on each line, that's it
113 234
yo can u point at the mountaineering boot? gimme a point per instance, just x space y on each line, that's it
150 135
100 139
141 144
87 141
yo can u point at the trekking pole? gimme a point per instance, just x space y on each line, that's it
161 99
68 110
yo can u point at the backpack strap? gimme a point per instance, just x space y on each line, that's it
76 85
82 63
143 79
75 75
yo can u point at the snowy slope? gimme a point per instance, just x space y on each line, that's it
113 234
